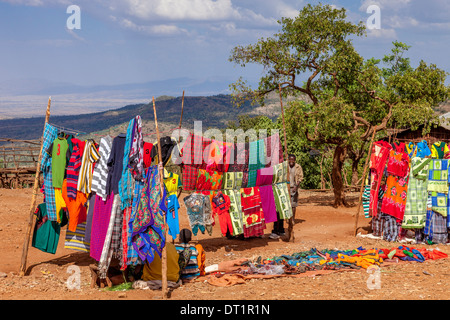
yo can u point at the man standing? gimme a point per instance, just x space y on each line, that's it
295 178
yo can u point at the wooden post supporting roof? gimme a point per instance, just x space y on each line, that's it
23 264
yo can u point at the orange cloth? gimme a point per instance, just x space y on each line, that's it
76 208
201 258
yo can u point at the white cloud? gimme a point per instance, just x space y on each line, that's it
161 29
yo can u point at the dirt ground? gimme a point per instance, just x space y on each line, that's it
318 225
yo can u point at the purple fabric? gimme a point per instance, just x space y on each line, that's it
268 204
100 222
264 181
264 176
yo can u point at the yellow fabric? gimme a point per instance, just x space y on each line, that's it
60 203
153 271
201 257
172 182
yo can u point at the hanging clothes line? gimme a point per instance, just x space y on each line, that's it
68 130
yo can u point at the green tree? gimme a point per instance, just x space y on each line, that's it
350 98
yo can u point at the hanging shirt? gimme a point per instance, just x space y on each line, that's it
73 167
90 156
220 207
439 149
199 213
100 174
147 154
172 182
253 215
46 232
58 151
115 164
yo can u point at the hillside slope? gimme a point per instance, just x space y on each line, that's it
214 111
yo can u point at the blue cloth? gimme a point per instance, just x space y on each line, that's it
125 183
422 149
172 216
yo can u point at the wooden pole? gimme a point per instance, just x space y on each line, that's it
23 265
161 183
363 182
182 107
291 221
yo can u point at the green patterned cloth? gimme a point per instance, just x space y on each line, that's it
235 211
417 194
438 175
232 180
280 172
282 200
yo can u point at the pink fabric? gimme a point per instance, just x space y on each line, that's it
100 222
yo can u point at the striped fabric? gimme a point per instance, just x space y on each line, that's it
75 240
100 174
73 169
191 270
90 156
366 201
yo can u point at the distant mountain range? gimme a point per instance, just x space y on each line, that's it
28 97
214 112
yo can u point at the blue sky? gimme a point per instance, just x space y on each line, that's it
131 41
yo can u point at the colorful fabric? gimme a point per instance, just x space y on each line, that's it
398 164
417 194
274 150
100 174
172 182
199 212
264 182
220 207
136 155
282 200
76 240
422 149
280 173
50 134
209 180
394 200
366 200
46 233
126 180
254 224
90 156
100 223
76 207
107 250
189 177
379 155
438 175
235 211
439 149
172 216
148 228
240 158
58 152
190 270
73 168
132 255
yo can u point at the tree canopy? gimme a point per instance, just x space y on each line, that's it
351 98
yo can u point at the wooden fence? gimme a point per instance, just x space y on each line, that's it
18 159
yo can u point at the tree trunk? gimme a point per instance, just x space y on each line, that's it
355 177
336 175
